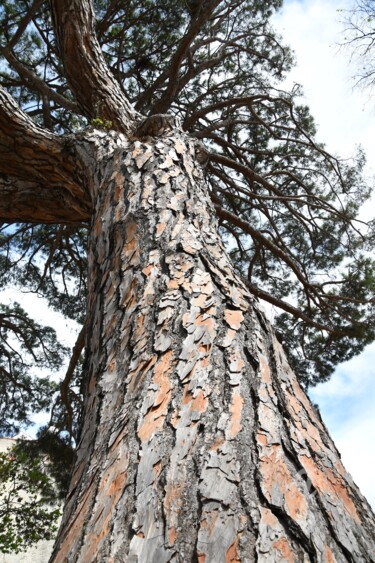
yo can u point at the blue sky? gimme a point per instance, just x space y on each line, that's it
345 118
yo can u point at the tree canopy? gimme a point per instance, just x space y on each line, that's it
288 209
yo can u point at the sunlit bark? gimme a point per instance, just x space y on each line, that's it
198 443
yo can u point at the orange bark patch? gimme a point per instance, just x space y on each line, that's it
186 264
236 411
140 328
199 301
269 518
112 365
201 557
97 226
329 556
282 545
198 403
155 416
217 443
76 524
233 318
157 468
172 284
160 229
262 439
92 384
131 229
172 536
130 248
265 370
146 271
131 298
172 504
209 520
118 190
115 486
275 473
327 482
231 555
208 322
110 491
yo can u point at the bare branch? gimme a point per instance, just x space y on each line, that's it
64 385
292 310
37 83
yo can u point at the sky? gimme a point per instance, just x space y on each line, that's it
346 118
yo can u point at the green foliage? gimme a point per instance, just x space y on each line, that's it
29 498
100 123
49 262
25 348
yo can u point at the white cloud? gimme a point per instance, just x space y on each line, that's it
344 115
347 407
355 442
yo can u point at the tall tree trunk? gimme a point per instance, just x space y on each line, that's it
198 443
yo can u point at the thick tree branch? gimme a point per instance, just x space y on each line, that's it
40 180
288 259
32 202
96 90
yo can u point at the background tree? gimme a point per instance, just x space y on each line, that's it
359 24
33 484
162 298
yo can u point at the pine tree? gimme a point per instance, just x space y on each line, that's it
142 138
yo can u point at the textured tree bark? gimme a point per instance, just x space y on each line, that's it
41 178
198 443
99 94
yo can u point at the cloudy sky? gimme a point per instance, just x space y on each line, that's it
345 118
